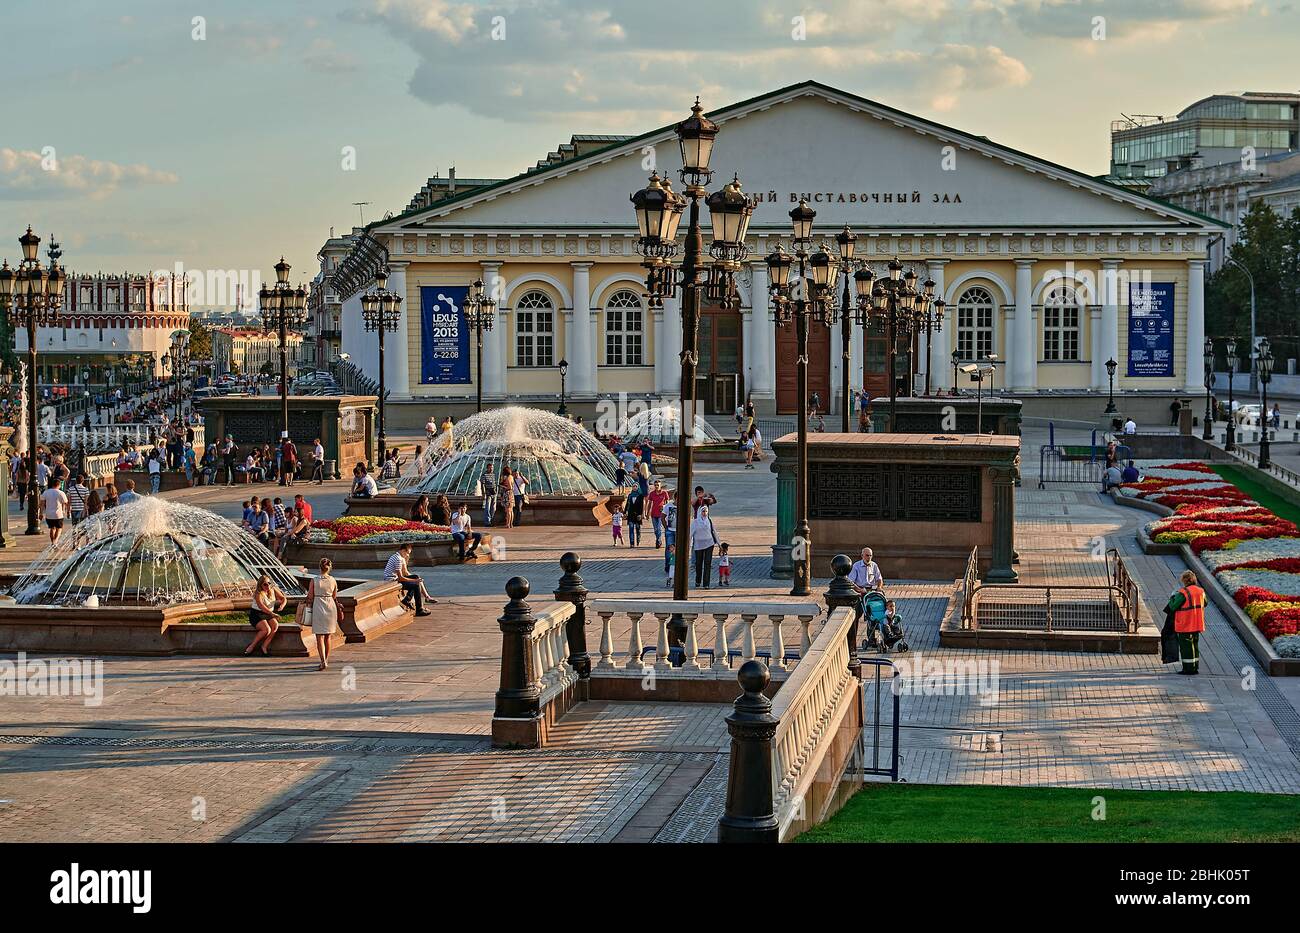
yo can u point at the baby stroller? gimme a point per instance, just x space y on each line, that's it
873 614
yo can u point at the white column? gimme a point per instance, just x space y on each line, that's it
940 363
661 361
761 345
1110 317
494 358
1098 373
672 349
397 345
1194 346
1024 356
579 347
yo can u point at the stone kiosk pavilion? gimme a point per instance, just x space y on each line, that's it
922 502
344 423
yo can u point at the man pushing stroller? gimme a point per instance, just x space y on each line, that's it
884 624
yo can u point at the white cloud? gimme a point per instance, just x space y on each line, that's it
1073 19
24 177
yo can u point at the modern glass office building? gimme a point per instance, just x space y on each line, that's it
1218 129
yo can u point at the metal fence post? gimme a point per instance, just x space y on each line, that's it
750 814
572 589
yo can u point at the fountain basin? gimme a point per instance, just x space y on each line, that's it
587 510
369 609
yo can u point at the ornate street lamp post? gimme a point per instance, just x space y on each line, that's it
893 302
1264 369
480 309
659 212
1111 366
564 374
812 300
1208 433
283 306
845 240
956 361
381 311
929 317
31 296
1231 437
177 359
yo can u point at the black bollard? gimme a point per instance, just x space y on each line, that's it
517 697
750 815
841 593
572 589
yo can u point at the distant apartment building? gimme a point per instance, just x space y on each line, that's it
248 351
1225 191
1212 131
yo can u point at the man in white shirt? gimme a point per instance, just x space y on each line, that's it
397 569
56 509
130 495
865 575
318 462
1130 426
366 487
461 531
155 472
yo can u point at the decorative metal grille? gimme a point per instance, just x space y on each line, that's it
904 492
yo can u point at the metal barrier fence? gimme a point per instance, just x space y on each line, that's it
1290 477
880 664
1055 467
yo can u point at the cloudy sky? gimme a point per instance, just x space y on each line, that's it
212 133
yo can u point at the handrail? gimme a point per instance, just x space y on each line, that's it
804 706
969 582
892 770
1122 594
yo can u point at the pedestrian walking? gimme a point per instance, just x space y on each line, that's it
616 525
322 597
703 538
1188 606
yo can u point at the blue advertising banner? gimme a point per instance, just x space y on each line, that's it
1151 329
444 338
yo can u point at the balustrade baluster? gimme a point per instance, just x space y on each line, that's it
634 646
663 654
606 662
778 642
692 646
805 636
721 660
747 638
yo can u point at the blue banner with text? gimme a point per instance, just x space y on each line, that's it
1151 329
444 338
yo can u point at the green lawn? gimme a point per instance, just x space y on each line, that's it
963 813
234 618
1270 500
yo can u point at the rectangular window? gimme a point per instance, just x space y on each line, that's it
1061 332
623 337
974 331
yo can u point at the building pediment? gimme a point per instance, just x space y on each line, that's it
856 161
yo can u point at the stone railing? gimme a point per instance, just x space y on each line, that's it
809 708
108 437
99 468
680 654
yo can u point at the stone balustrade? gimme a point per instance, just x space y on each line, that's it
771 619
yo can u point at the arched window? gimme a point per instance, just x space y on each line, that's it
975 323
1061 324
624 329
535 330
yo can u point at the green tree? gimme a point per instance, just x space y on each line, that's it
1269 246
200 341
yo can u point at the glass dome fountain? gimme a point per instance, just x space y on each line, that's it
515 425
662 427
150 552
551 470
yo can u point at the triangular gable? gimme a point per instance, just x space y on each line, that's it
860 162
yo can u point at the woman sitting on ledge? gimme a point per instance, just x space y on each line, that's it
264 614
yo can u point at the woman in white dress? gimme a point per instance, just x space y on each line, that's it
322 595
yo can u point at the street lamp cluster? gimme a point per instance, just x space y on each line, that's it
177 359
659 210
31 295
381 312
1261 369
283 307
480 308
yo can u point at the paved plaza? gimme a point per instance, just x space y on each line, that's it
391 744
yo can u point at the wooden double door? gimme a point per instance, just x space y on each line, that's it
787 368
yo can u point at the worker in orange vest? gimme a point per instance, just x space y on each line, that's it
1188 607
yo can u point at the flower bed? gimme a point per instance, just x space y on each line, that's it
376 529
1254 554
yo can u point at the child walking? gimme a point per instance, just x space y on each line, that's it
617 527
724 565
670 553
